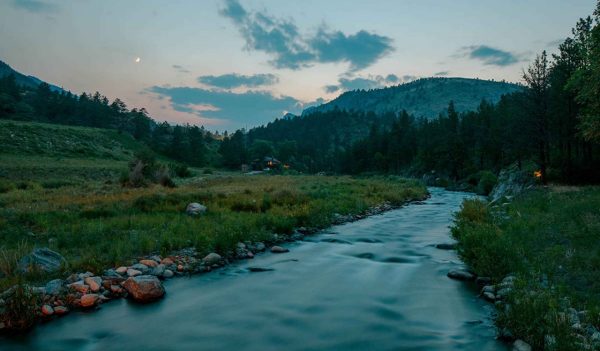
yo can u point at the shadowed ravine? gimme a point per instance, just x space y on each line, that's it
375 284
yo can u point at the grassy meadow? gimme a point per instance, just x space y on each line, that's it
550 239
73 202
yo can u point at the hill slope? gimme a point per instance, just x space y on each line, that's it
39 151
21 79
424 97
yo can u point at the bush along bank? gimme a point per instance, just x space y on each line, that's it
22 305
539 254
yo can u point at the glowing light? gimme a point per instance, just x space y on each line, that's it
537 174
138 60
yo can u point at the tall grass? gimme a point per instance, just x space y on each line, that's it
550 239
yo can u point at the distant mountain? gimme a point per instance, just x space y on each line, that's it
28 81
425 97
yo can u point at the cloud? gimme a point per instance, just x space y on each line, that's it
366 83
35 6
234 80
236 109
490 56
441 74
181 69
290 49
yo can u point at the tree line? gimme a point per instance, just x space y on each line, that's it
188 144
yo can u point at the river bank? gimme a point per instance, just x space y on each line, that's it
379 283
303 204
540 251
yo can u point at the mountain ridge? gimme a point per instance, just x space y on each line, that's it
425 97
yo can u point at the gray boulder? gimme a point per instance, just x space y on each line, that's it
195 209
43 259
460 274
511 182
211 258
54 287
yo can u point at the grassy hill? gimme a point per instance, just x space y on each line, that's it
50 152
424 97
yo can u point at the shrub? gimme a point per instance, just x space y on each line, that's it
245 205
163 177
487 181
21 308
6 186
180 170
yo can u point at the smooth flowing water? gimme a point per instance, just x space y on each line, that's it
374 284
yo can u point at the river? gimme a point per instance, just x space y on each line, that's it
374 284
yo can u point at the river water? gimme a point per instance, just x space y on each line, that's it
374 284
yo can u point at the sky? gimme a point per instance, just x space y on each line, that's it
229 64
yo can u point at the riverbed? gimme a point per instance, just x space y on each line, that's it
374 284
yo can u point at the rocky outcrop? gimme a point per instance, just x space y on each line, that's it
144 288
511 182
43 259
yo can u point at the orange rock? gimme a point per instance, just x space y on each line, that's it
89 300
149 263
167 261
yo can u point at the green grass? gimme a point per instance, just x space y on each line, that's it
96 225
59 141
550 240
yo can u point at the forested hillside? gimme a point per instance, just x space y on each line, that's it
426 97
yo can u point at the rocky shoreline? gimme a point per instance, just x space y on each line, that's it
142 280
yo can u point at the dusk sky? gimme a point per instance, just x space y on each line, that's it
231 64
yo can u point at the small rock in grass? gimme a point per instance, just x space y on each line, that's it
121 270
212 258
195 209
521 345
460 274
47 310
503 293
149 263
133 272
89 300
60 310
279 249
